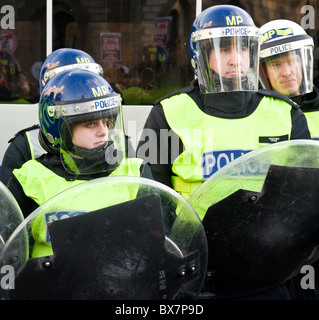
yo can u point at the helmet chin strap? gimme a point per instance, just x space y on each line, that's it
230 84
106 153
104 158
90 154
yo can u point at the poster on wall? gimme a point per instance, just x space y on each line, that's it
111 46
8 41
162 29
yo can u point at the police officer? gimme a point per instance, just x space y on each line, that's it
153 71
13 83
81 126
286 64
25 144
222 115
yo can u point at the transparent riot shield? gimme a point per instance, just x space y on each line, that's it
10 218
10 214
261 216
110 238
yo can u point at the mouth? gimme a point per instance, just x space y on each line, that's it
234 74
288 82
100 143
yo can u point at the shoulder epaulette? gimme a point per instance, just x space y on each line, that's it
35 126
187 89
277 95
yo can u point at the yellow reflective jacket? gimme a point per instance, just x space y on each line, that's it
41 184
211 142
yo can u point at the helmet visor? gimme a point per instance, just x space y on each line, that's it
227 59
290 73
92 136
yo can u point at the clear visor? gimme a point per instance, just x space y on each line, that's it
93 67
92 135
290 73
227 59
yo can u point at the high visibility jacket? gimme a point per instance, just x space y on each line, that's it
211 142
313 121
41 184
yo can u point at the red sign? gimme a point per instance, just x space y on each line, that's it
162 28
111 47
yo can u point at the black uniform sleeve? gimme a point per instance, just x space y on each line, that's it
15 156
299 129
26 204
156 147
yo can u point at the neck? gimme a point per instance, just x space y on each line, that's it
228 103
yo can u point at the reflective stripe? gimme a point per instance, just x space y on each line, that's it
34 144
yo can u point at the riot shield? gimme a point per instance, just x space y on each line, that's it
261 216
110 238
10 214
10 218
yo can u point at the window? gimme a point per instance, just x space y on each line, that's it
142 45
22 48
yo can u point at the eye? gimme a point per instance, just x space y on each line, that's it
274 64
109 123
90 124
225 49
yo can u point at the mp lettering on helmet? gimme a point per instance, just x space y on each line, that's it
83 60
234 20
276 33
100 91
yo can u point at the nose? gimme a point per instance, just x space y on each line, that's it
234 57
286 69
102 129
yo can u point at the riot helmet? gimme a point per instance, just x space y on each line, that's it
74 100
224 49
66 59
286 58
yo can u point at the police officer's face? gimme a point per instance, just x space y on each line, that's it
230 62
285 74
91 134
